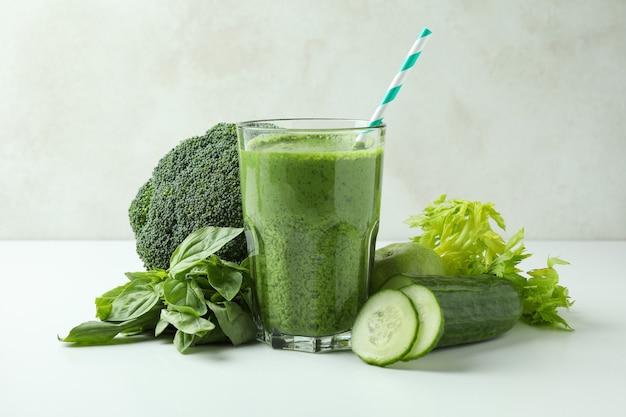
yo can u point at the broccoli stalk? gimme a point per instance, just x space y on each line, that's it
194 185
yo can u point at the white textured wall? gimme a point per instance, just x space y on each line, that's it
522 103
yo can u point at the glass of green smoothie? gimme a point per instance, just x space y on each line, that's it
311 202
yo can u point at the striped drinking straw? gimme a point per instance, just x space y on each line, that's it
396 83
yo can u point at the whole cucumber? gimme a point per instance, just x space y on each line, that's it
475 308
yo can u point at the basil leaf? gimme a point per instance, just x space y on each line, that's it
184 341
103 303
203 282
198 246
93 332
225 279
136 299
160 327
184 296
154 275
236 323
246 296
214 336
101 332
187 323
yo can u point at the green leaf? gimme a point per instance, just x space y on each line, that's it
187 323
100 332
214 336
542 296
460 232
235 322
203 281
184 296
183 341
103 303
137 298
246 296
198 246
93 332
225 277
154 275
214 275
160 327
556 261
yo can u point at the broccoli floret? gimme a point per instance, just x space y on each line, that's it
194 185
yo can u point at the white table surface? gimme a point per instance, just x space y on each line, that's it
48 287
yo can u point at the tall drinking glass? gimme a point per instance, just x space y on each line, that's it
311 201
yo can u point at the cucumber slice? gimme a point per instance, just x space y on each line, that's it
430 316
385 328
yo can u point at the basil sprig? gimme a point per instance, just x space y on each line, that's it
200 298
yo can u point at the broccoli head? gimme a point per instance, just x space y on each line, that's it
194 185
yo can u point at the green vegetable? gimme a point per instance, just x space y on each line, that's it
460 232
430 317
404 257
446 311
475 308
396 325
200 297
385 328
194 185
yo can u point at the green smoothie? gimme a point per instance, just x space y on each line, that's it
311 206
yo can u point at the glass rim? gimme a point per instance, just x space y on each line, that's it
263 124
